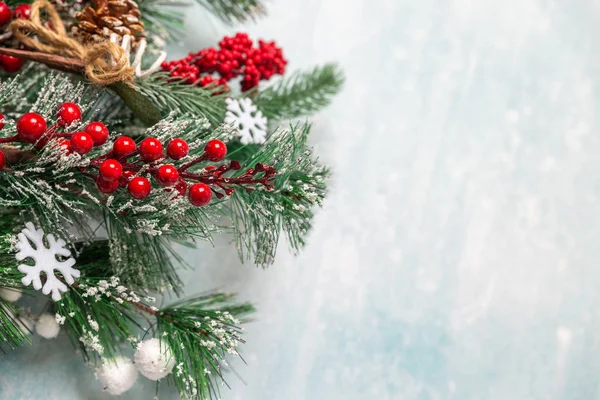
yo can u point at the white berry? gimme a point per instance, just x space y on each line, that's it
47 327
10 294
154 359
117 375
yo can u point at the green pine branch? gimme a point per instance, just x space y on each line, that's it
12 332
202 333
300 186
300 94
163 17
176 96
234 11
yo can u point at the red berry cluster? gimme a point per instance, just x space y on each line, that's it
126 162
116 170
33 128
235 57
12 64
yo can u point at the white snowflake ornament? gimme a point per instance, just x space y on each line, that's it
249 121
31 245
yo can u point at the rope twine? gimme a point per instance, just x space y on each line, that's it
104 63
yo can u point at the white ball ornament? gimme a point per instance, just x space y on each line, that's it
154 359
10 294
117 375
47 327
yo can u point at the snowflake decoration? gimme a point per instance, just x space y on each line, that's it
251 124
31 245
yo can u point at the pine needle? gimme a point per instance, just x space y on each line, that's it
300 94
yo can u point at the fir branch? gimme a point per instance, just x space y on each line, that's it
234 11
300 186
12 331
175 96
300 94
95 317
201 333
163 18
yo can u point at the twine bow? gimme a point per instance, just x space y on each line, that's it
104 63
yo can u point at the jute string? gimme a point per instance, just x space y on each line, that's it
104 63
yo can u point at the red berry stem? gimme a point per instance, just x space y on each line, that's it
247 180
10 139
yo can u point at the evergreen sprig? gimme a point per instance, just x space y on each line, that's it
300 186
170 95
12 332
300 94
201 333
163 17
234 11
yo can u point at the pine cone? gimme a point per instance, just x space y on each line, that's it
98 21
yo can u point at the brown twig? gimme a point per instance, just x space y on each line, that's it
14 155
53 61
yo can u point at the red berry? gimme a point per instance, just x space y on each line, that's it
128 175
177 149
215 150
1 121
123 146
5 14
107 186
10 64
181 187
151 149
2 160
167 175
200 194
68 113
22 11
30 127
111 170
139 187
98 131
82 142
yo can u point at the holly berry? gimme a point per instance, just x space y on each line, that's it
10 64
181 187
98 131
215 150
151 150
5 14
200 194
30 127
177 149
123 146
111 170
139 187
1 121
107 186
167 175
2 160
23 11
82 142
68 113
128 175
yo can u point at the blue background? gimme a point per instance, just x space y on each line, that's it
456 257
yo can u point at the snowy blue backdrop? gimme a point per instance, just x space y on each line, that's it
457 255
